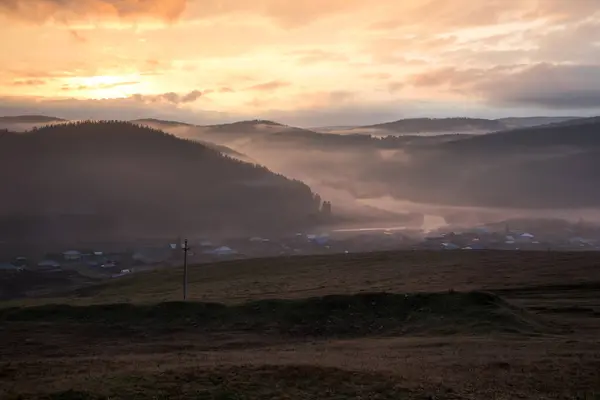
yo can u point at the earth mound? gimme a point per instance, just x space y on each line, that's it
356 315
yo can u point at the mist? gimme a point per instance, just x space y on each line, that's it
535 172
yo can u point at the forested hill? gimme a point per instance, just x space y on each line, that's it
108 178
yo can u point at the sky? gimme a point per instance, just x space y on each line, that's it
306 63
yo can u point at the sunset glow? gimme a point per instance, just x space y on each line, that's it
286 60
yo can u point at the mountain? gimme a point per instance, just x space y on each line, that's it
526 122
107 179
20 123
578 133
159 123
542 167
432 125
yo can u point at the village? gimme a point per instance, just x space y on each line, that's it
117 261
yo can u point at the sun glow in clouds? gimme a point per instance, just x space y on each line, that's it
105 86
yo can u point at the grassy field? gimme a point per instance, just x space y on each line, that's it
405 325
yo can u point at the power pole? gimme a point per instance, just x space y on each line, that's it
185 272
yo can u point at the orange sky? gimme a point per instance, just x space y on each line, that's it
332 59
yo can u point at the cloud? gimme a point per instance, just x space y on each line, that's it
289 14
268 86
169 97
286 13
545 85
377 75
29 82
77 36
307 57
98 87
72 10
124 108
444 15
394 87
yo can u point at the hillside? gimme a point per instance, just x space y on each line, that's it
434 126
20 123
541 167
419 125
235 282
94 179
579 133
399 325
159 123
526 122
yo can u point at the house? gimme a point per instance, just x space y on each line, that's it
72 255
20 262
450 246
9 267
222 251
49 265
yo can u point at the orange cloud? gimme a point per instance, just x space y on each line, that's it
29 82
269 86
72 10
97 87
318 56
170 97
288 13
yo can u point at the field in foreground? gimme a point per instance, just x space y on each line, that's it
450 325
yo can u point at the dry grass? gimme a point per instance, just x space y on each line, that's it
301 277
90 358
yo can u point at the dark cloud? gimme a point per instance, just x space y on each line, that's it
268 86
169 97
191 96
544 85
548 85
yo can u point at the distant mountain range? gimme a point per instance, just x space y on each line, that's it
24 119
551 164
402 126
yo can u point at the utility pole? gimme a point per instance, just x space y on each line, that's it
185 272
